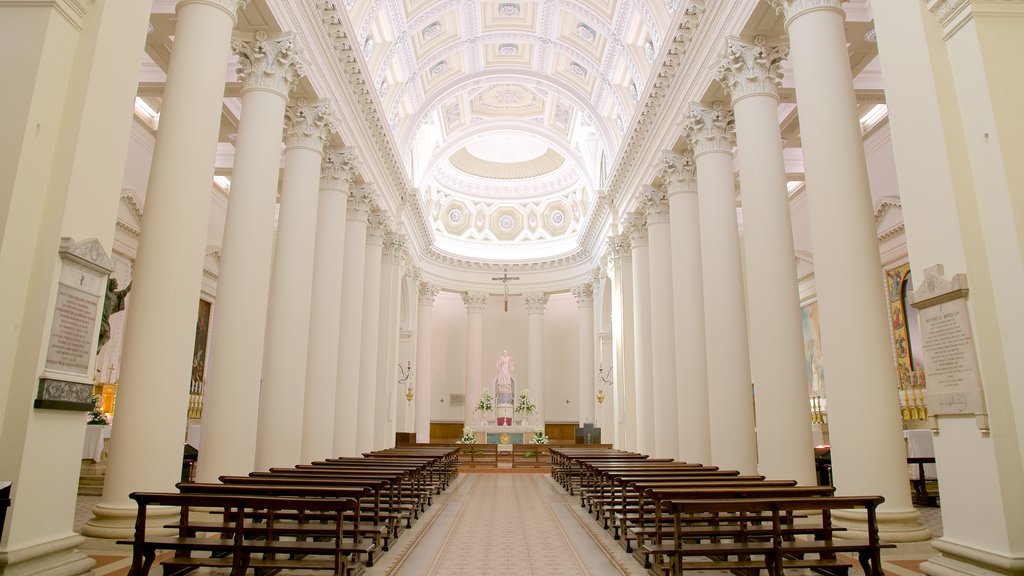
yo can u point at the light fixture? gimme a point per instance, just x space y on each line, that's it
404 380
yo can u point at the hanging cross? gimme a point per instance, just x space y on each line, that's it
505 279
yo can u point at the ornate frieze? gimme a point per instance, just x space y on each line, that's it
656 204
535 302
679 172
267 62
308 124
751 69
584 294
427 293
791 9
709 129
476 302
338 167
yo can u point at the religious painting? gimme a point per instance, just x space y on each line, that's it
903 319
195 389
814 368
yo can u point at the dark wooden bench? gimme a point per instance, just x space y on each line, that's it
241 542
530 455
478 455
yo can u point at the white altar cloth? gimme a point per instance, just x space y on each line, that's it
92 445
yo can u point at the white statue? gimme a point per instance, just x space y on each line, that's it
503 387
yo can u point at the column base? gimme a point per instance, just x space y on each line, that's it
55 558
962 560
114 522
893 526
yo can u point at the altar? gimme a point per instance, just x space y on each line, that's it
504 434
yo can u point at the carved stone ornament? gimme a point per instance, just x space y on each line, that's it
535 302
378 223
338 167
751 69
584 294
88 253
308 124
361 202
427 293
656 204
636 227
267 62
679 172
791 9
62 395
620 249
476 302
709 129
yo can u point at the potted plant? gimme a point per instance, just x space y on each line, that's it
485 405
539 437
468 436
524 405
96 415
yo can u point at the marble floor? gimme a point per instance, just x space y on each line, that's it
490 524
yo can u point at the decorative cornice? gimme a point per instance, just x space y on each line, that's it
267 62
709 129
656 205
476 302
88 253
679 172
793 9
751 69
535 302
427 293
338 168
308 125
584 294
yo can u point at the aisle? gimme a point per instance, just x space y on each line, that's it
506 524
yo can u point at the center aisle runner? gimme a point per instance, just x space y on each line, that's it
504 525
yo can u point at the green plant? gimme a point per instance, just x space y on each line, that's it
539 437
468 436
96 415
486 402
524 405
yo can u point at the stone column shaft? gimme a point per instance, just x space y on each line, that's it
279 433
642 335
750 73
368 382
157 355
854 326
584 294
269 68
663 362
346 401
337 171
625 352
730 395
388 396
424 373
476 304
687 282
535 303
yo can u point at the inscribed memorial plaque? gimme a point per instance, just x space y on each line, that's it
71 334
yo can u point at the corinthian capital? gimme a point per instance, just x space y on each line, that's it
308 124
378 223
751 69
619 249
476 302
679 173
709 129
535 302
791 9
428 292
338 168
361 202
267 62
656 205
636 227
584 294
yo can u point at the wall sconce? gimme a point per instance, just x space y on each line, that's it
602 379
404 380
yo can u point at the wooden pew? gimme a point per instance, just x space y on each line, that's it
530 455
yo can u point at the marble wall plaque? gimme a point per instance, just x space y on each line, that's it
954 383
72 330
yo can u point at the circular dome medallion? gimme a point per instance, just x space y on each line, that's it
454 216
506 222
557 217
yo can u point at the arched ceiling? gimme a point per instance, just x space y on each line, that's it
509 113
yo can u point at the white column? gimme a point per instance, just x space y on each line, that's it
279 433
156 363
535 303
269 69
337 171
688 296
584 294
346 400
637 230
625 352
424 373
663 362
848 272
730 396
476 304
750 73
368 383
388 396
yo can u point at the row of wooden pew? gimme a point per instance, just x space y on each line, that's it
335 515
676 516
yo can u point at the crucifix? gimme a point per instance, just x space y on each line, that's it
505 279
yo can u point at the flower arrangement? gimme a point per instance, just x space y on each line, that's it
539 437
96 415
468 436
523 404
486 402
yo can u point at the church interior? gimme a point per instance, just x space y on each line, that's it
491 252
